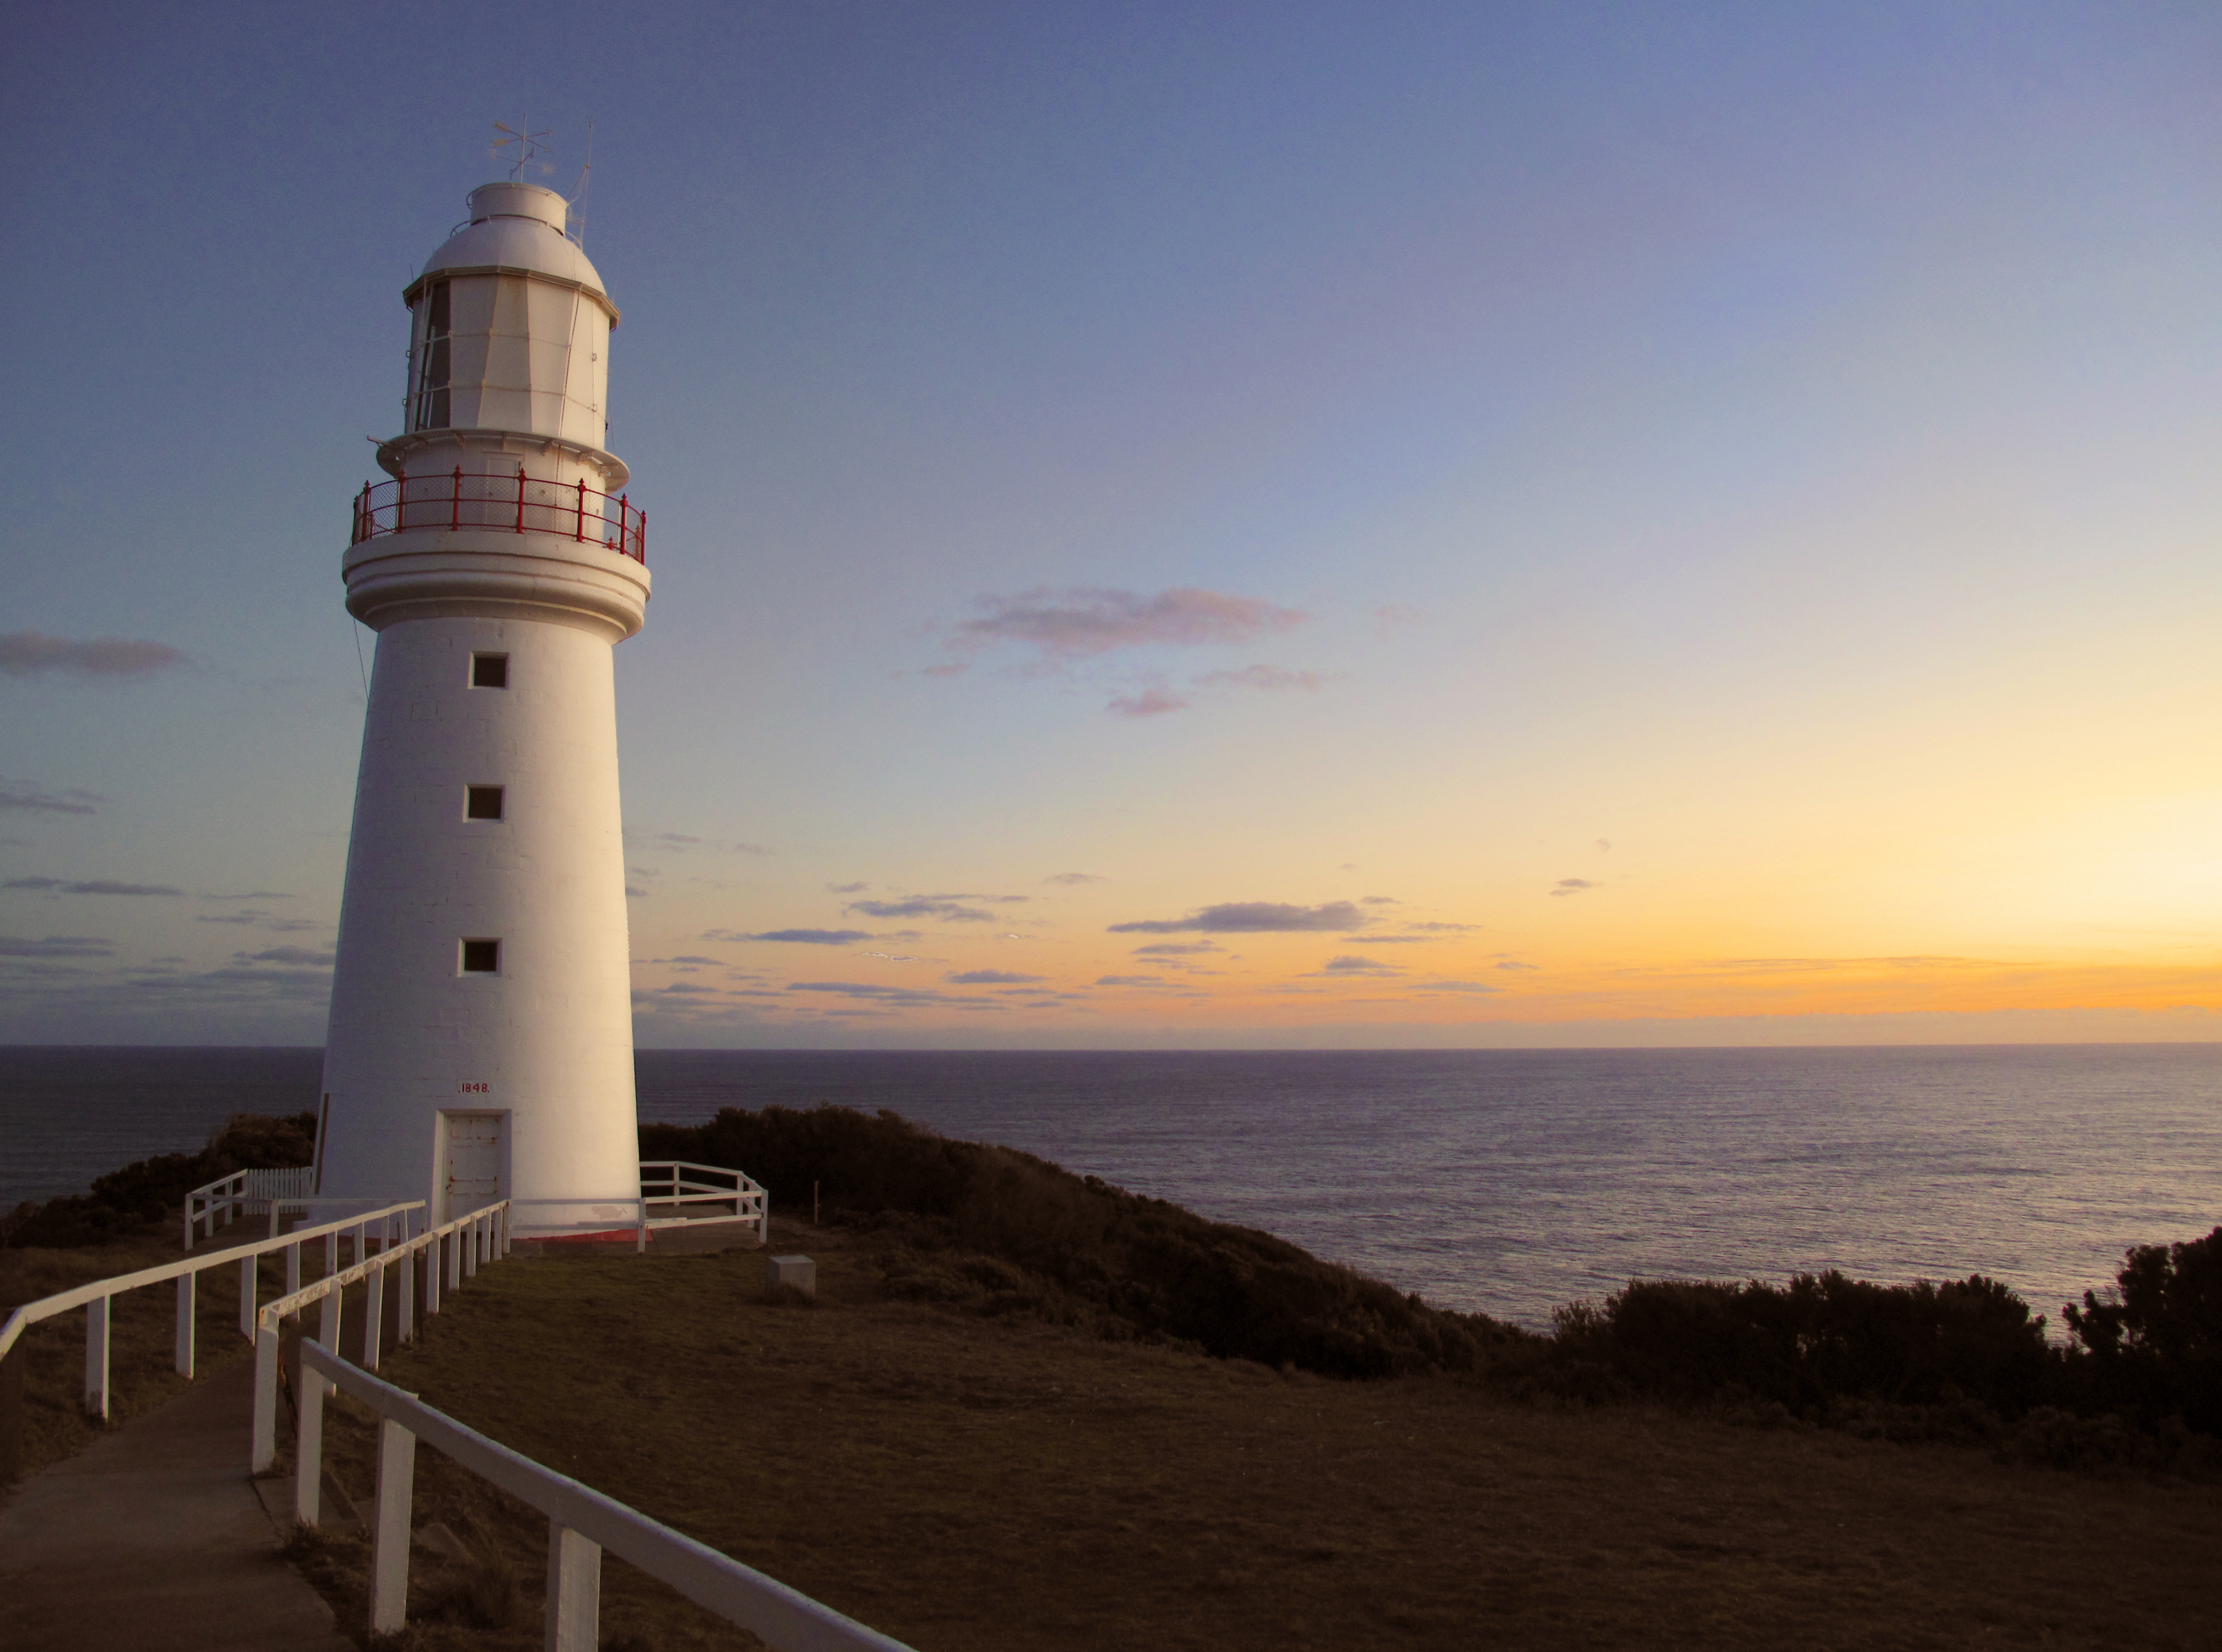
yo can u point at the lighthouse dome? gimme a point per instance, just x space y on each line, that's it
518 227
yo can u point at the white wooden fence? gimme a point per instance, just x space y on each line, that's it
95 1298
455 1247
678 1184
242 1191
581 1523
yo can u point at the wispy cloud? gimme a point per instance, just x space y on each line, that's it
1271 678
847 888
1080 622
31 653
1070 879
90 886
1454 986
1572 886
1131 981
898 995
1351 964
1178 948
801 937
989 978
21 795
1151 702
56 947
297 957
948 909
1251 917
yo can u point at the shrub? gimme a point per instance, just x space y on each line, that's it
2153 1344
151 1190
1030 1236
1822 1339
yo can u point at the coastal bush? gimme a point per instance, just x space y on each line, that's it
2152 1344
126 1201
999 1231
1821 1338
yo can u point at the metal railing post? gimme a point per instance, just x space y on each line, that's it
389 1544
248 1278
520 498
575 1590
185 1341
579 532
455 508
96 1358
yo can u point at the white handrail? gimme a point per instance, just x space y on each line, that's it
581 1523
480 1236
94 1297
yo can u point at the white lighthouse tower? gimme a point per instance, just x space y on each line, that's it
480 1044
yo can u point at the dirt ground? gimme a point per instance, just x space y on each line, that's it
967 1483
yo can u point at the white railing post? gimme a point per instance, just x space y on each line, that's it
96 1358
501 1223
575 1590
247 1281
455 1243
432 1277
263 1450
389 1544
292 1269
309 1447
184 1343
404 1328
332 1253
373 1316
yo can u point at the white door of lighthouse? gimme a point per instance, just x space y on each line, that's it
473 1156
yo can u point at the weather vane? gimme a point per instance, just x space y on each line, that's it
522 148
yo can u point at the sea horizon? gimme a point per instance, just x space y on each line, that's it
1506 1182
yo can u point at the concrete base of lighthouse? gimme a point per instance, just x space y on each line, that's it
480 1041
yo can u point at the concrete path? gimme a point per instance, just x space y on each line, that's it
153 1539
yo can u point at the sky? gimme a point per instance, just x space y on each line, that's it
1352 525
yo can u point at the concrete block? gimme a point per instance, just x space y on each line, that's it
798 1271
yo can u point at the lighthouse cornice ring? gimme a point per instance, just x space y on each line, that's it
396 451
425 574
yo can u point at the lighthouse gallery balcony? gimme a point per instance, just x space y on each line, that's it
517 503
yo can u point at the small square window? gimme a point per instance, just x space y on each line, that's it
481 958
489 671
482 802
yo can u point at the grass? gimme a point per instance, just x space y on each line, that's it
962 1480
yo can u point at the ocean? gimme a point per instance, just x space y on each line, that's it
1507 1182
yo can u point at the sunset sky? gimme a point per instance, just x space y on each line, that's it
1343 524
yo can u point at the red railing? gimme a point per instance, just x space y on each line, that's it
519 503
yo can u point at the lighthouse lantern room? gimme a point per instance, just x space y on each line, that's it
480 1041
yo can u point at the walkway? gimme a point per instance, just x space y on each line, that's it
153 1538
